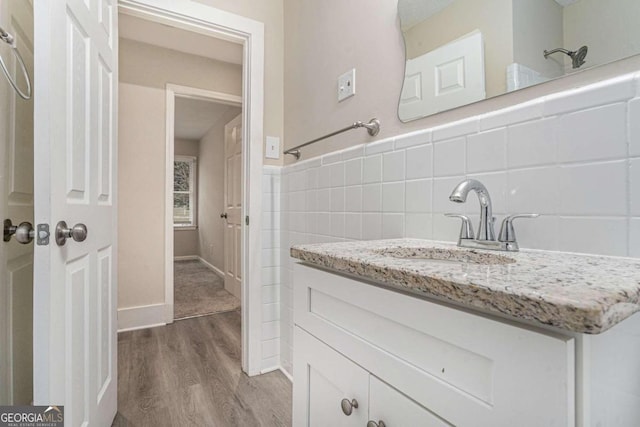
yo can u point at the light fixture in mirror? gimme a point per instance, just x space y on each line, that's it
463 51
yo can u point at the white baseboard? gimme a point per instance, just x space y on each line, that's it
212 267
286 374
146 316
186 258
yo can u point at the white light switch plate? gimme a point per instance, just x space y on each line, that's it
273 147
347 85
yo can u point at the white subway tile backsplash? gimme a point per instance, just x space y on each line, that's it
608 92
412 139
353 199
455 129
418 225
353 172
593 235
496 183
449 157
372 169
533 190
371 226
531 144
353 152
442 188
372 198
337 224
392 225
526 111
324 200
634 237
337 174
634 127
418 195
353 226
595 134
393 197
419 162
379 147
337 199
446 229
593 189
393 167
634 177
486 151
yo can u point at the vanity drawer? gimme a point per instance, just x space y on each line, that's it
443 358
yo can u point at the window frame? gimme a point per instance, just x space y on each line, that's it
193 192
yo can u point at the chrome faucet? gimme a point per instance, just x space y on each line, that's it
486 238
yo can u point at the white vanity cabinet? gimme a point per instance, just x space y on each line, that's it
413 362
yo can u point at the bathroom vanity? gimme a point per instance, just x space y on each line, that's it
419 333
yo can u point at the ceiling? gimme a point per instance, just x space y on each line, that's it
194 117
413 12
144 31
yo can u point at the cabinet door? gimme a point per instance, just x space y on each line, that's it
323 378
395 409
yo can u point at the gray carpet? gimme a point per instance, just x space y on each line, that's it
198 291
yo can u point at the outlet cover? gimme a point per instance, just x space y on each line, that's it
273 147
347 85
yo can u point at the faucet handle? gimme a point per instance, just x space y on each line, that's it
507 232
466 232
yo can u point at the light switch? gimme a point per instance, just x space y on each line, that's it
273 147
347 85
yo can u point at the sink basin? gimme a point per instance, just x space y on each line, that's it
447 255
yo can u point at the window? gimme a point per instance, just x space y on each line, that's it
184 191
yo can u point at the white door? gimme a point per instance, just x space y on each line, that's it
445 78
16 204
233 205
324 378
75 171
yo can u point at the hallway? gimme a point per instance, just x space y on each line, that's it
188 374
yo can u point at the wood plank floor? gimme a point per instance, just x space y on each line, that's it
188 374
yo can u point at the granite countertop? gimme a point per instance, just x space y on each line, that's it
578 293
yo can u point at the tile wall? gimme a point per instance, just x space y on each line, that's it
573 157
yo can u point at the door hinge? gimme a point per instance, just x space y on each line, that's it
42 234
246 220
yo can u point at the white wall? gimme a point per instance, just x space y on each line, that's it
574 157
144 72
185 241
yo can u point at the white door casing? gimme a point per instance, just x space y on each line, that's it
75 354
447 77
194 16
16 203
233 205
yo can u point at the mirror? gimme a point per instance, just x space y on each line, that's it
463 51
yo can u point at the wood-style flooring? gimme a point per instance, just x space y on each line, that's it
188 374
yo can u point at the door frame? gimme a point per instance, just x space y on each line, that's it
174 91
203 19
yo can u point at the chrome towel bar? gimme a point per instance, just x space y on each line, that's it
10 40
373 127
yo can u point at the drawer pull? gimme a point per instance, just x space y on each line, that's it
348 405
376 424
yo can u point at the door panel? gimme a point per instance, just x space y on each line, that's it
233 205
16 203
75 284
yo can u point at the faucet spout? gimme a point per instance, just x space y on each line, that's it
459 195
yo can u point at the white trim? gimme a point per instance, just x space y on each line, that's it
286 374
212 267
186 258
203 19
142 317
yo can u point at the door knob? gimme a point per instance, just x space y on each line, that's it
348 406
24 232
223 215
78 233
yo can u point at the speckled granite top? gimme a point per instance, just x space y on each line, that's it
579 293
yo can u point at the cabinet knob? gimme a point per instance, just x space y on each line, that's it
376 424
348 405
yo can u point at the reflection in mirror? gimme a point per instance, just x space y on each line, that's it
463 51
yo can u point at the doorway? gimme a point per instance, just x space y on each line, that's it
206 202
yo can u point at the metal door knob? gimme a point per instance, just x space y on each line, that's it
348 406
376 424
223 215
24 233
78 233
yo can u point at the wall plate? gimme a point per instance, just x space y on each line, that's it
347 85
